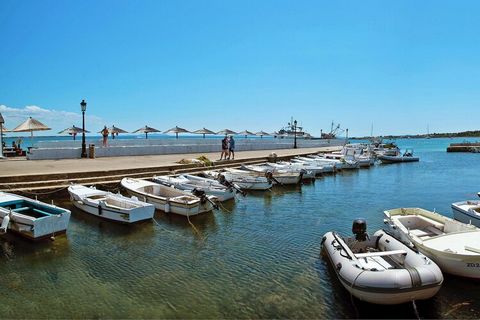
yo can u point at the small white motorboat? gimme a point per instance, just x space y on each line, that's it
406 157
380 269
110 206
212 187
278 176
326 167
315 169
168 199
304 172
31 219
453 245
243 180
467 212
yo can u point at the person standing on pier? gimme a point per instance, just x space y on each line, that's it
231 148
224 148
104 133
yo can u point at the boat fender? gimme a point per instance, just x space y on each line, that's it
167 206
134 198
4 226
100 208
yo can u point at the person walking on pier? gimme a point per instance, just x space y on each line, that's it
224 148
231 148
104 133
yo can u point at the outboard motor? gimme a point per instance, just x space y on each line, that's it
359 229
200 194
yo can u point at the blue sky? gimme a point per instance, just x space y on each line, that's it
242 64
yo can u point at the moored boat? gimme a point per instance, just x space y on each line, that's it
212 187
110 206
398 158
278 176
243 180
380 269
453 245
168 199
31 219
467 212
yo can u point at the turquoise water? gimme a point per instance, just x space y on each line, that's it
256 258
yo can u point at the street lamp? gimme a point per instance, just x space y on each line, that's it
83 106
2 121
295 134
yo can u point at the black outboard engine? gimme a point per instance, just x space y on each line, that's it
200 194
359 229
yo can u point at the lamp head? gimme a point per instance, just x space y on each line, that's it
83 105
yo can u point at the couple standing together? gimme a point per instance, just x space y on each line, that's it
228 148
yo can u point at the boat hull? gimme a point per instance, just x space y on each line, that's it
465 216
394 159
388 287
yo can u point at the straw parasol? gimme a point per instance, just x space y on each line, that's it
262 133
31 125
246 133
115 131
226 132
177 130
203 131
146 130
73 131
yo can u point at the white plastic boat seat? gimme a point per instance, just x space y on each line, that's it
421 233
379 253
377 263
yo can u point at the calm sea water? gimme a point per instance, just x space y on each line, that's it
256 258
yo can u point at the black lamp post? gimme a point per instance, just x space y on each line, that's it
2 121
83 106
295 134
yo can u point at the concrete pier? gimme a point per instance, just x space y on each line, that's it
464 147
38 176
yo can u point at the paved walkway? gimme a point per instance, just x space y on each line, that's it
28 167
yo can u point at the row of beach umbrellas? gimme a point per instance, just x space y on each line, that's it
31 125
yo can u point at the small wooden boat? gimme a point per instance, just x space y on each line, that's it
278 176
110 206
380 269
467 212
211 187
453 245
168 199
31 219
406 157
243 180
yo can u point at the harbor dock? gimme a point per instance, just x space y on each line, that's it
464 147
48 176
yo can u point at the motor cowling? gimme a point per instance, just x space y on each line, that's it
359 229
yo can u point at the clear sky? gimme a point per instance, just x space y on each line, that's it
401 65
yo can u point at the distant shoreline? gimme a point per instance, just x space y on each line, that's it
463 134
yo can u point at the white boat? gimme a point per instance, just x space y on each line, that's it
308 172
326 167
168 199
467 212
110 206
243 180
380 269
315 169
278 176
453 245
212 187
398 158
31 219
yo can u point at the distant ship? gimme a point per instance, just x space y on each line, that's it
334 130
289 131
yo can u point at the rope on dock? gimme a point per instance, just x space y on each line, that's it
41 193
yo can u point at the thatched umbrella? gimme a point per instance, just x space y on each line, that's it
146 130
262 133
203 131
115 131
226 132
177 130
31 125
73 131
246 133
